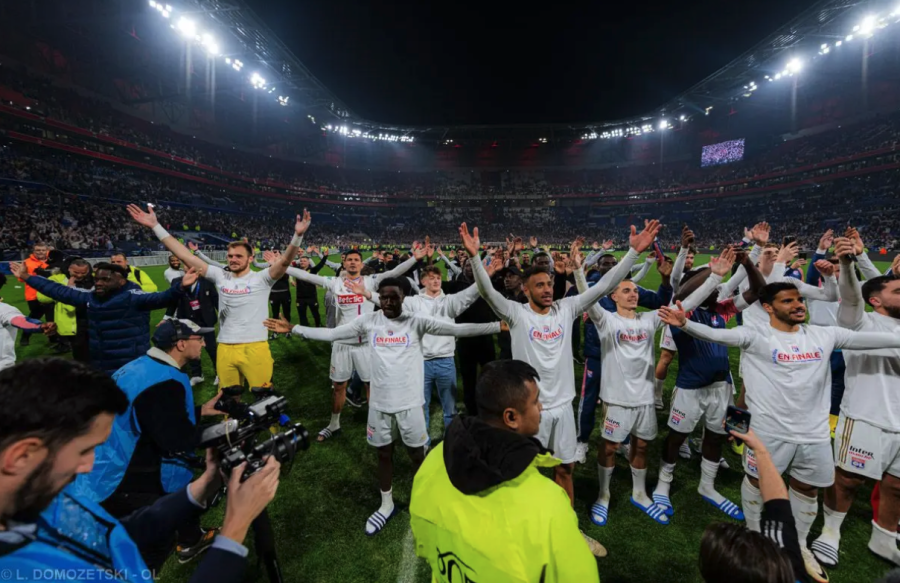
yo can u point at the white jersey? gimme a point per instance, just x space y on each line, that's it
243 305
8 335
756 317
172 274
788 374
544 340
873 376
627 364
398 364
443 308
349 305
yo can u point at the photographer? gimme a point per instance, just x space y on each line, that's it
135 467
731 552
48 437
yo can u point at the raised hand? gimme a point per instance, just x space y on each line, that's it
418 251
189 278
303 222
761 233
607 245
854 237
664 267
722 264
429 249
826 268
687 237
271 257
471 242
281 326
895 266
640 242
357 287
800 263
193 246
673 316
826 240
559 264
533 241
787 253
18 269
148 219
518 245
843 248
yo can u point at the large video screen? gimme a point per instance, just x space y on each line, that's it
722 153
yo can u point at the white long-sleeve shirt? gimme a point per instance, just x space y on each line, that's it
398 364
756 316
543 340
8 334
873 376
444 308
788 374
172 274
350 305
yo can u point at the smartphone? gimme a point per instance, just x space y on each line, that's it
788 240
737 419
802 255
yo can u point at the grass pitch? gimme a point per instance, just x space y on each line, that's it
322 504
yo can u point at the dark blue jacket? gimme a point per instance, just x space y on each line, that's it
646 299
118 325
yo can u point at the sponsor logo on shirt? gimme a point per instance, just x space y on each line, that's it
389 339
545 334
610 426
350 299
241 291
632 335
797 355
370 431
677 416
859 457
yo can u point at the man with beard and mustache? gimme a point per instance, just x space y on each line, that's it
867 438
48 436
81 276
787 367
117 311
540 332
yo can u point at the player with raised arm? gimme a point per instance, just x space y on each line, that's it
349 354
788 394
394 338
704 387
539 334
867 439
243 348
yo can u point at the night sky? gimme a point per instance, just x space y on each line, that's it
431 63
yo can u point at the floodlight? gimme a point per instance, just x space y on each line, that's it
168 9
187 27
663 124
867 25
227 60
838 43
794 65
165 13
849 38
152 4
682 118
777 76
824 46
826 51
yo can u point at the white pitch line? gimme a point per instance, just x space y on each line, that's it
407 571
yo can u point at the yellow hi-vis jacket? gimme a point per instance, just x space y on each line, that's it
137 276
63 314
521 531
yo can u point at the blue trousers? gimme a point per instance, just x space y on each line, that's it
590 392
440 374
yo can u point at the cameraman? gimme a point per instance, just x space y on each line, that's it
48 437
135 467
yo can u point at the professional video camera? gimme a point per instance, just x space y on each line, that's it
236 438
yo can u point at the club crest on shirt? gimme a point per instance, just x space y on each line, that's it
545 334
859 457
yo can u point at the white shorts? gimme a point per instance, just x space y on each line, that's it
345 359
690 406
620 422
666 341
810 463
385 428
557 432
861 448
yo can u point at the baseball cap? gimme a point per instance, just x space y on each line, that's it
171 331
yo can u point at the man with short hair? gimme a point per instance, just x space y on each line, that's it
48 437
867 437
137 466
787 367
243 350
349 354
81 276
117 311
307 294
134 274
174 270
486 471
35 262
395 340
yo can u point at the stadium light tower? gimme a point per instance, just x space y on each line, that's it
794 65
187 27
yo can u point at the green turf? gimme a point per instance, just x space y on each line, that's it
322 504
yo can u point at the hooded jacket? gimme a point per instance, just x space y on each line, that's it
481 511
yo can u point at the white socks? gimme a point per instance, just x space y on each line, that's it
751 503
884 544
666 475
605 474
825 548
374 523
707 488
639 486
833 521
805 510
335 423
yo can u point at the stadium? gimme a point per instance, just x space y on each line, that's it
198 109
